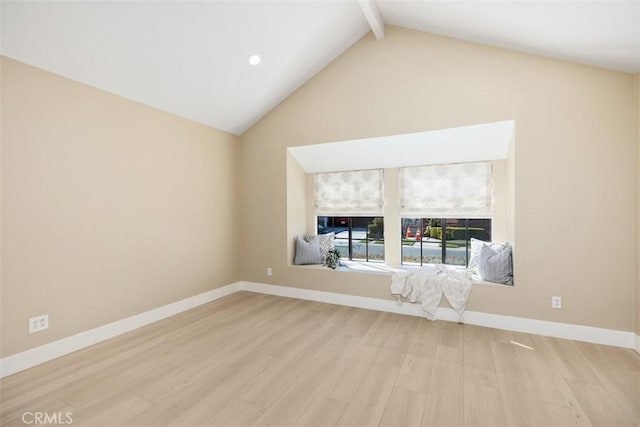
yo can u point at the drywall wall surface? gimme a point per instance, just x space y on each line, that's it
297 203
109 207
573 170
637 128
1 315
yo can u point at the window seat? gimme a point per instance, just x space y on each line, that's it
382 269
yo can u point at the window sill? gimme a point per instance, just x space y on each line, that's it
354 267
383 269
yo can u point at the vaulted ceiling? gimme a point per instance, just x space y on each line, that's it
191 58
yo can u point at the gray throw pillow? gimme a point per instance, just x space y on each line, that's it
307 252
495 264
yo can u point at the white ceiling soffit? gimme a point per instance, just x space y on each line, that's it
185 57
603 33
489 141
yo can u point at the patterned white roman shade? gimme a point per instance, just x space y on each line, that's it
350 193
456 190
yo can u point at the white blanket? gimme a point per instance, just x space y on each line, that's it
427 285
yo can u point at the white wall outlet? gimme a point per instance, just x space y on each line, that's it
556 302
269 272
40 323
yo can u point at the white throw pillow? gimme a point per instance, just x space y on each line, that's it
326 242
495 264
474 253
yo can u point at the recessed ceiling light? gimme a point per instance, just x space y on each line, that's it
254 60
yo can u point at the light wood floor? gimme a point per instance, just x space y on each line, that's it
251 359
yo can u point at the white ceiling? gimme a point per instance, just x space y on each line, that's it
604 33
190 58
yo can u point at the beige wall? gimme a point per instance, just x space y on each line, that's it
109 207
573 170
637 127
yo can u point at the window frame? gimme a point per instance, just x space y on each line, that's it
443 241
350 239
392 214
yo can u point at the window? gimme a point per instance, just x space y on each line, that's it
351 205
441 240
442 208
357 238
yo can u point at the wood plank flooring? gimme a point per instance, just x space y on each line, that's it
252 359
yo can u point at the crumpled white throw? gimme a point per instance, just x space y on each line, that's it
398 284
427 285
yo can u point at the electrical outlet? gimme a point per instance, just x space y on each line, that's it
269 271
556 302
40 323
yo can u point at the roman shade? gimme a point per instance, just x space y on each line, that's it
456 190
352 193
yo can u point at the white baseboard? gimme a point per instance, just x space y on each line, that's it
44 353
35 356
518 324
